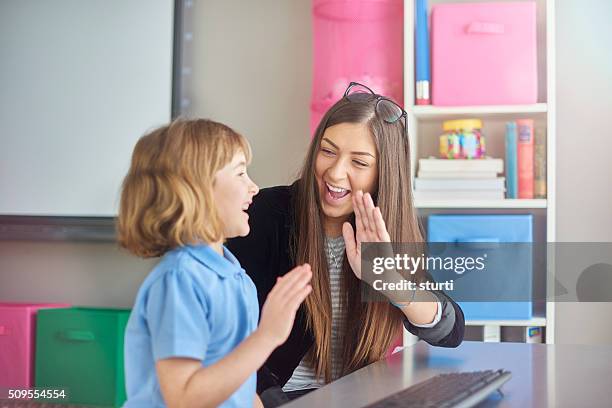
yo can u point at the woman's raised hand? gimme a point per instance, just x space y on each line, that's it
283 301
370 227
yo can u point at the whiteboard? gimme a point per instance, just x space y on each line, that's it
80 82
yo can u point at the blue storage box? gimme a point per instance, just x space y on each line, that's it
510 268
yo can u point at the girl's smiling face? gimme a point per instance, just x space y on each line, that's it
233 192
346 162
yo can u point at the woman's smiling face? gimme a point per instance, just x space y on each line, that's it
346 162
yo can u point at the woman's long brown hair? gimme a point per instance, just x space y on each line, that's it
370 327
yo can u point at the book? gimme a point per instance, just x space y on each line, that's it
533 335
459 195
511 169
474 165
539 163
422 74
524 156
459 184
457 174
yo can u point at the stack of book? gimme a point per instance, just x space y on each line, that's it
442 179
525 160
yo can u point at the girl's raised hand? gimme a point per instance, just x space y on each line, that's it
370 227
283 301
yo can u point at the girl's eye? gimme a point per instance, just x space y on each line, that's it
327 151
360 163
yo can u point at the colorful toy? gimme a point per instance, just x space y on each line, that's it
462 139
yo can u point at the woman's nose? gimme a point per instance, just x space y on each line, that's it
337 171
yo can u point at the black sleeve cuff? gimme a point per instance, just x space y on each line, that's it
450 329
266 379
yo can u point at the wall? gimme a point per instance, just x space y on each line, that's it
251 70
91 274
584 170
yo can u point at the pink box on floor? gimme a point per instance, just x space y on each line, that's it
17 342
484 54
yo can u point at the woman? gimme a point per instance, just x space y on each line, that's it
359 157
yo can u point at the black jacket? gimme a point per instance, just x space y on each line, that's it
265 255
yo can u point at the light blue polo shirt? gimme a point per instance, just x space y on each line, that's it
196 304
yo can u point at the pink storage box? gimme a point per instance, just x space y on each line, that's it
484 54
359 41
17 342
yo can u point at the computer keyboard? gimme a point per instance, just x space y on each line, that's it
453 390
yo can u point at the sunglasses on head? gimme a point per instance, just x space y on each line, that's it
385 108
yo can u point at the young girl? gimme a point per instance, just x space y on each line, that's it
192 339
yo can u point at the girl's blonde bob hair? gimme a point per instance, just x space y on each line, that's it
167 196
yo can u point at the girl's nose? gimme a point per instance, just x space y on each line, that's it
254 188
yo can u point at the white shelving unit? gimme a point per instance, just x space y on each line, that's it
507 203
425 124
535 321
435 112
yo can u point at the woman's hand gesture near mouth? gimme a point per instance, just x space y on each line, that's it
370 228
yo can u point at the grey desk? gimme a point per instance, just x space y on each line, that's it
542 375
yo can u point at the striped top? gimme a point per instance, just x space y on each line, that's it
304 376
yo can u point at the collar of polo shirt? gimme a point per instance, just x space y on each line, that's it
224 266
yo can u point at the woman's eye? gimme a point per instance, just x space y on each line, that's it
327 152
360 163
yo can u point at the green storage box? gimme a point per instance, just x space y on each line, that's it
80 350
